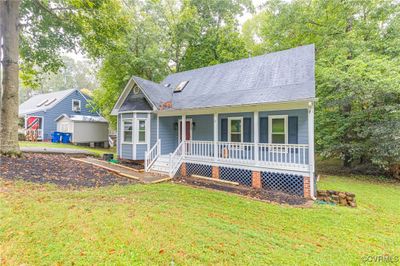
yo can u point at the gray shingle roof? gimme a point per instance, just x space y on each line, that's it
31 105
276 77
157 93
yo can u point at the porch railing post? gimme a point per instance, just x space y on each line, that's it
215 136
145 160
256 136
183 134
170 164
311 146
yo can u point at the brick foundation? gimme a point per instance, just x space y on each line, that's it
215 172
307 194
183 169
256 179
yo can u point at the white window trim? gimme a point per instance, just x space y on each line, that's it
241 128
72 104
145 130
123 130
270 118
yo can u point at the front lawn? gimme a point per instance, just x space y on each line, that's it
96 151
158 224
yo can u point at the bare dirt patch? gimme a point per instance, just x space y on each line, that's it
260 194
59 170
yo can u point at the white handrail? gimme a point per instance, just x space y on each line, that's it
151 156
279 155
175 159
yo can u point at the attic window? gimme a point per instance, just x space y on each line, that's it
181 86
42 102
51 101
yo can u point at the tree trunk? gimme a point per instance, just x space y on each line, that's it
9 13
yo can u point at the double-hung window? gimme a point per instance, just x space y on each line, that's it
278 129
127 131
141 131
235 129
76 105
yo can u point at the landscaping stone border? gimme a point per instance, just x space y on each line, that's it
337 197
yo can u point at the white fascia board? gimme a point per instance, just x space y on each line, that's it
292 105
122 97
125 94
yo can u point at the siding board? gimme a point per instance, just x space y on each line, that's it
63 107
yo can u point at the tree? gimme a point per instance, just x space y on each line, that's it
75 74
47 29
217 38
356 70
9 100
168 36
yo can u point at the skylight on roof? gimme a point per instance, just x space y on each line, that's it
50 102
181 86
42 102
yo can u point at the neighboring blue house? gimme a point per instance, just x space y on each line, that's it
41 111
249 121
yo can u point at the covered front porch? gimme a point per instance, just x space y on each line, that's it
272 139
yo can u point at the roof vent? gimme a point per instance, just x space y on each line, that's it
42 102
181 86
50 102
167 85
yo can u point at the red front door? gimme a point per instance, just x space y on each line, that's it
188 130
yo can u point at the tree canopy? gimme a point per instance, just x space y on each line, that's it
357 71
357 54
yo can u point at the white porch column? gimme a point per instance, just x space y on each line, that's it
158 127
256 136
183 134
215 136
311 161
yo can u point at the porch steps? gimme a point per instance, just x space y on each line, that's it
161 165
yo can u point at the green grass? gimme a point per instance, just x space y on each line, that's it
96 151
160 223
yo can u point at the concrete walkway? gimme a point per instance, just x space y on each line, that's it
55 150
125 171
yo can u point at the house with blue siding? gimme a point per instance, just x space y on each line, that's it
41 112
249 121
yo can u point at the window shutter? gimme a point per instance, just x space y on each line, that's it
293 130
247 129
224 129
263 129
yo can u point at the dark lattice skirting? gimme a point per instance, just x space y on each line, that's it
288 183
198 169
241 176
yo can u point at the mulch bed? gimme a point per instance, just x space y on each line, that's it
59 170
260 194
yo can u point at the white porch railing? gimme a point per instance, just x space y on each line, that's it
151 156
175 159
290 156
